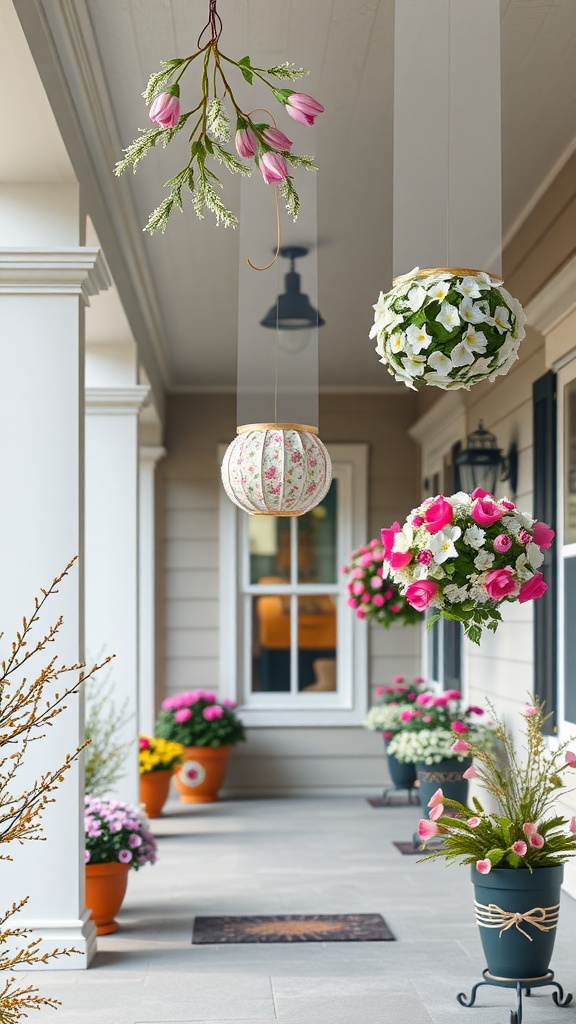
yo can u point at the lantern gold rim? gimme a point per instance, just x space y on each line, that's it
456 271
300 427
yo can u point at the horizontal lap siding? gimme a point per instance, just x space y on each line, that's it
275 760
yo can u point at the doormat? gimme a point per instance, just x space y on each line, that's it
292 928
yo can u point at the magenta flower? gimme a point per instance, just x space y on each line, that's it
500 583
436 798
484 867
532 588
420 593
303 108
227 703
376 582
427 719
474 821
378 600
520 848
460 746
536 840
246 142
470 773
543 535
502 543
530 711
407 715
352 603
165 109
134 841
182 715
438 514
436 812
125 856
453 694
273 168
427 829
397 680
387 536
524 537
486 511
459 727
274 137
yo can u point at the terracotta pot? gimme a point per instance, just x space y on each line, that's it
199 778
154 788
105 890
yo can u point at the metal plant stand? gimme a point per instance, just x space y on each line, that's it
411 795
522 985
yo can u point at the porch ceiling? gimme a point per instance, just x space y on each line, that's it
193 269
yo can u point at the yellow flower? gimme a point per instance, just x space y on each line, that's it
158 754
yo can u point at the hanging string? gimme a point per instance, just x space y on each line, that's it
263 110
449 136
214 25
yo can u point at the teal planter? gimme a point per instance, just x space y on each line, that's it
521 951
445 775
403 776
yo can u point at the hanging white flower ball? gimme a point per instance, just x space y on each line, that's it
277 469
447 328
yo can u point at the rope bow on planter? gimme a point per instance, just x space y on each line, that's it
264 143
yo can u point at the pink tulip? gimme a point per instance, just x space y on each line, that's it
502 543
474 822
438 514
246 142
485 511
470 773
303 108
436 812
500 583
536 840
572 825
543 535
529 829
533 588
273 168
570 758
520 848
460 746
436 798
483 867
427 829
165 109
421 593
274 137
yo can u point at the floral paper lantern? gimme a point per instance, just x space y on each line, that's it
447 327
276 469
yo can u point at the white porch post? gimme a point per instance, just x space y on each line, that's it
150 455
112 553
43 287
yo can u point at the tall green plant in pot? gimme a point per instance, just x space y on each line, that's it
517 853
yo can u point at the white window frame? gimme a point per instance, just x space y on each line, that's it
566 375
346 706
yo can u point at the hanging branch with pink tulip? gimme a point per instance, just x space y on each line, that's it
265 144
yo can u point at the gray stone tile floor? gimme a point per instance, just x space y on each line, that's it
295 856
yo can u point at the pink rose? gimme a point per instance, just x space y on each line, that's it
542 534
388 539
483 867
438 514
460 746
426 700
500 583
441 701
182 715
459 727
474 822
536 840
470 773
436 798
481 493
485 511
427 829
508 504
520 848
398 559
407 715
502 543
421 593
532 588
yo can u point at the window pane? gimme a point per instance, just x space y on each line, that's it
317 541
269 540
271 644
570 464
316 643
569 639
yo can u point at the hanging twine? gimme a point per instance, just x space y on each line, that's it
545 919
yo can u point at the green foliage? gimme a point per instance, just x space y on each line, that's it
105 759
220 728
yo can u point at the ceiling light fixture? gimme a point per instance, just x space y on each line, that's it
292 310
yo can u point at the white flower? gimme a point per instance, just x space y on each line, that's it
416 297
417 338
448 316
439 362
401 376
420 572
381 307
512 524
436 571
478 594
523 570
441 544
438 290
474 537
500 320
415 365
460 498
473 312
403 538
402 278
481 366
506 350
455 594
469 287
484 560
475 341
485 281
501 370
461 355
396 342
535 556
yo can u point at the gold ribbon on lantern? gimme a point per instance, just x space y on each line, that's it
545 919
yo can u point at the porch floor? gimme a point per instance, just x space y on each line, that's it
295 856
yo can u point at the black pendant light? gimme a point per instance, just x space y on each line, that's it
292 310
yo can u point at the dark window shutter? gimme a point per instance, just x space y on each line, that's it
544 480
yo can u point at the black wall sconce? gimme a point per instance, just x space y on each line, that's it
292 310
479 464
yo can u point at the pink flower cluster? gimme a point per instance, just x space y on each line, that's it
370 593
115 831
465 554
267 145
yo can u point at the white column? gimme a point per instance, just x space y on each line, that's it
150 455
112 553
42 293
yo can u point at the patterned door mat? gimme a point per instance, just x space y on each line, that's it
292 928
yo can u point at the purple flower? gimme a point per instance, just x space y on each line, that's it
134 840
125 856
